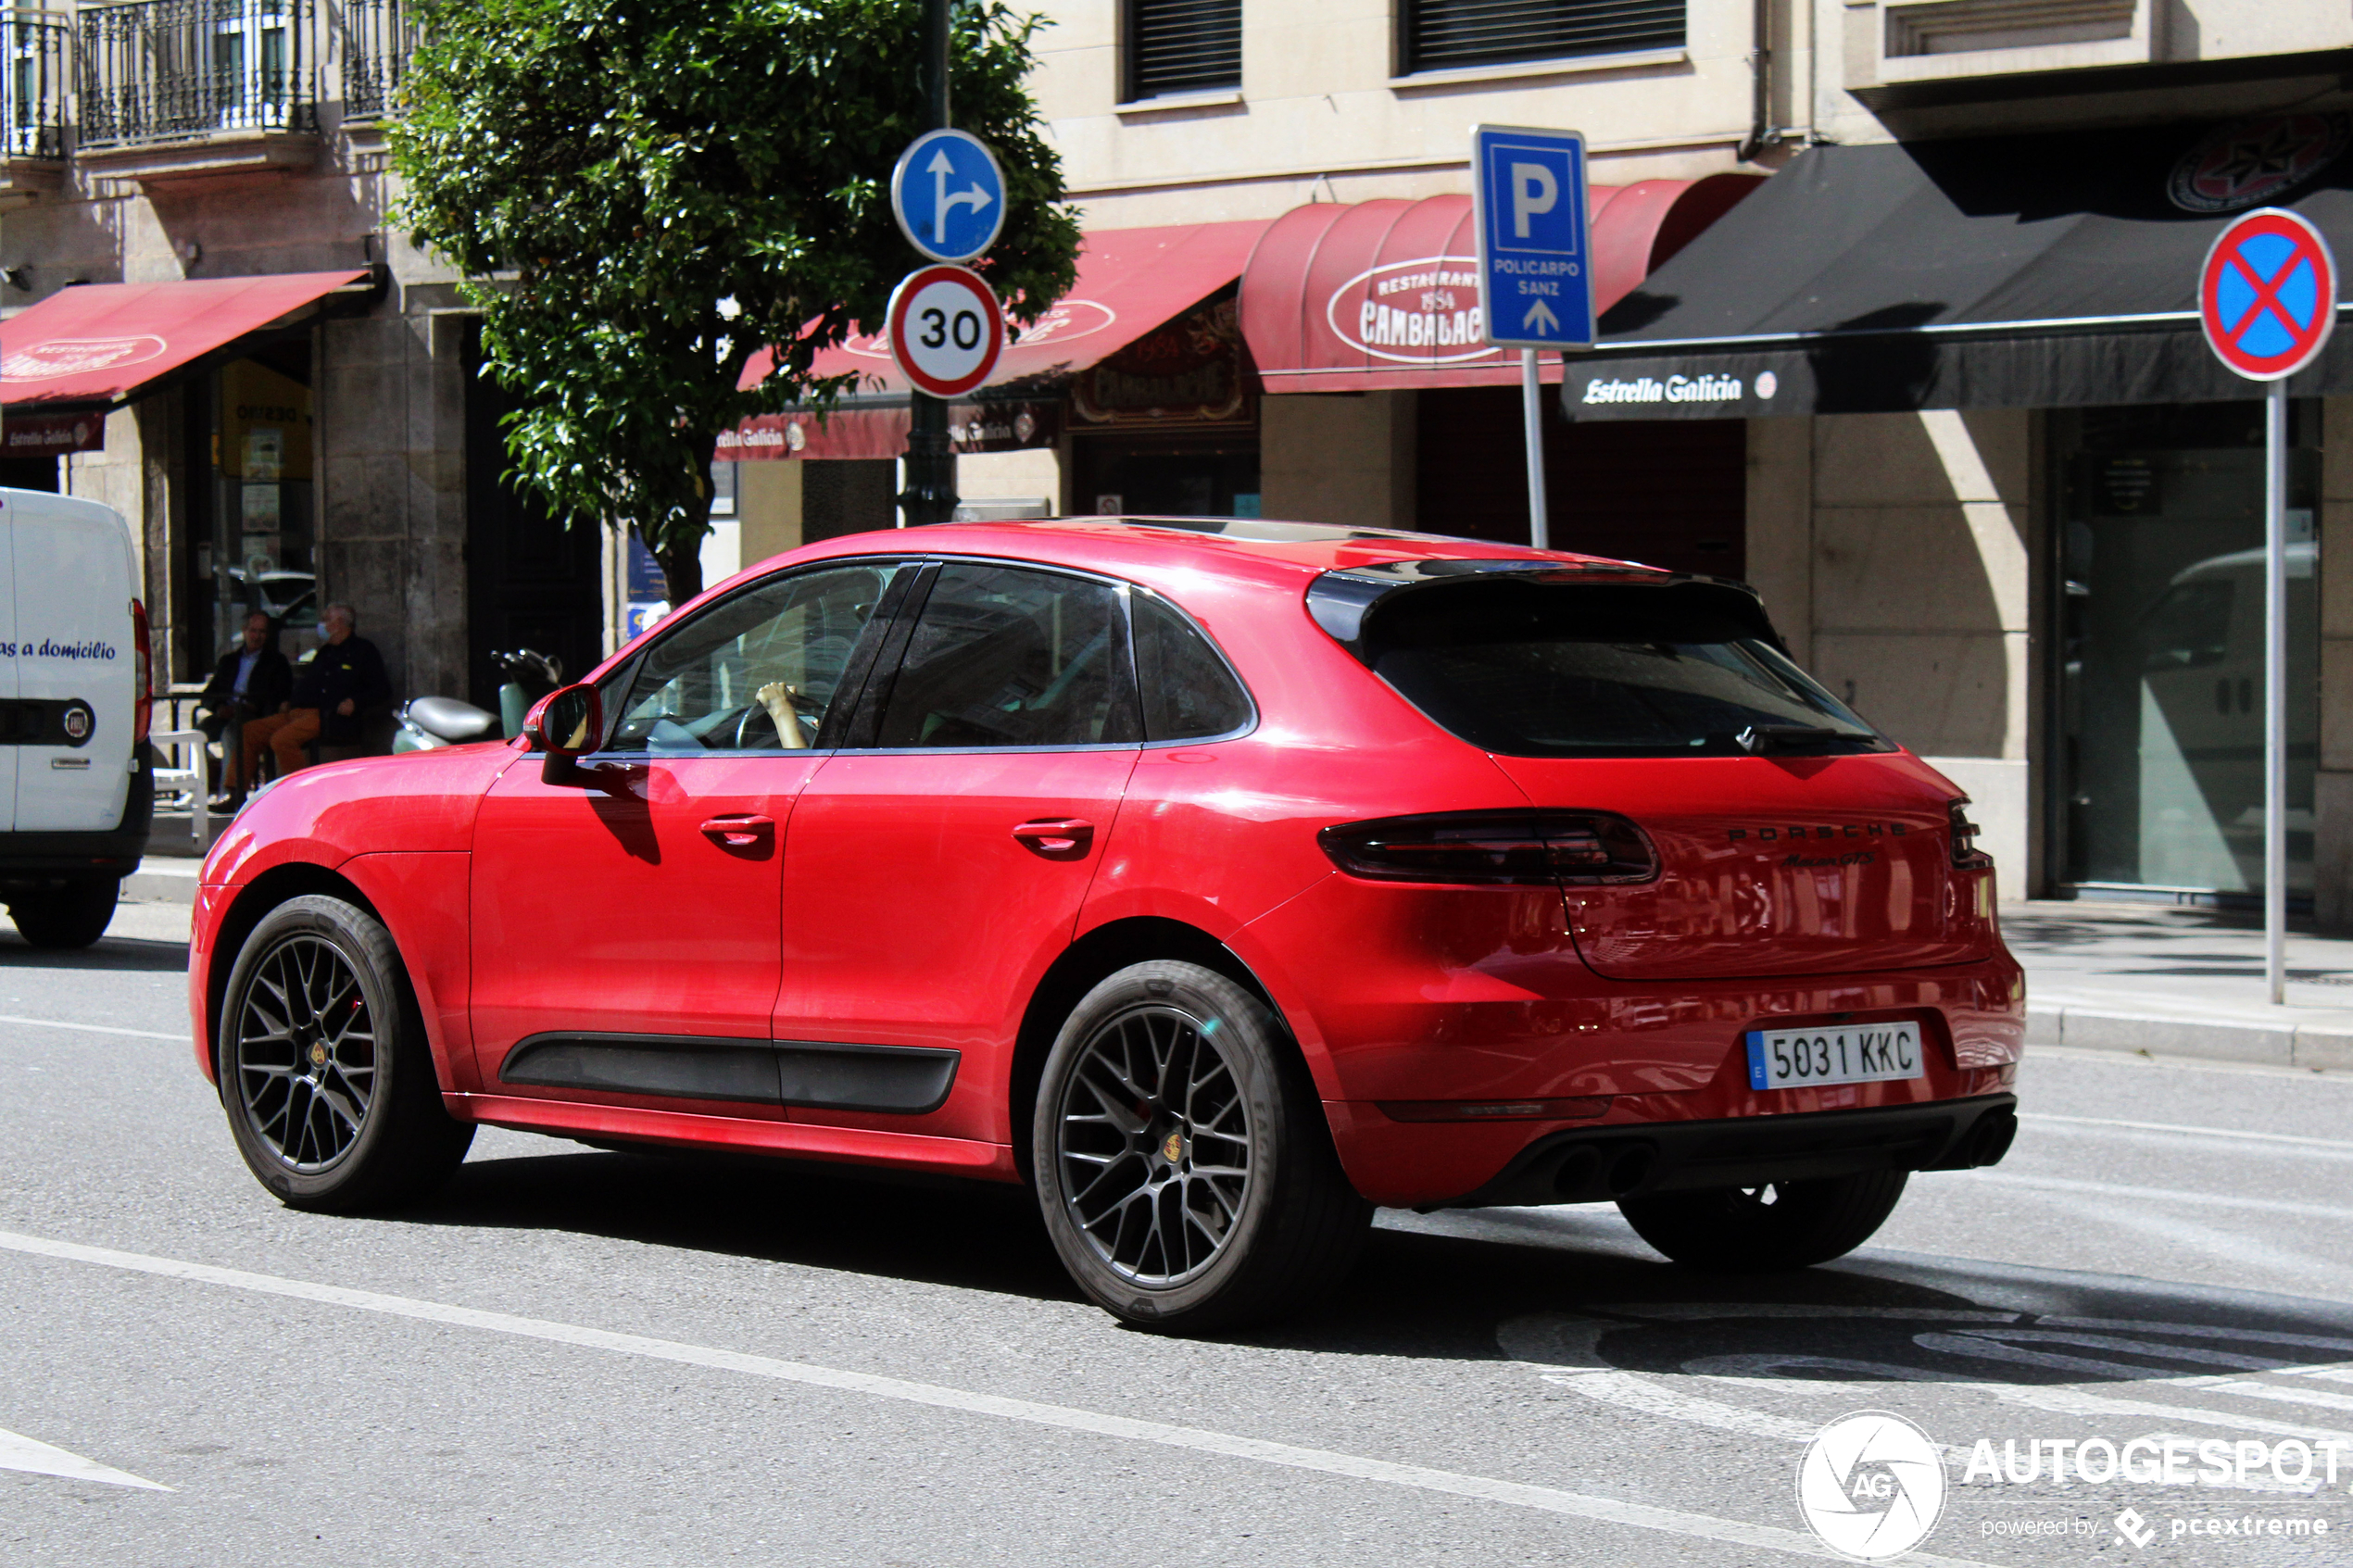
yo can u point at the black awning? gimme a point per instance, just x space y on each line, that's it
2021 271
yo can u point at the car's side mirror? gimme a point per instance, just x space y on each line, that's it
565 725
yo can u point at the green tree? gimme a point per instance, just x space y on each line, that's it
642 193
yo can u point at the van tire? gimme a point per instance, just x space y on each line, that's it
1284 1236
71 915
364 1049
1744 1230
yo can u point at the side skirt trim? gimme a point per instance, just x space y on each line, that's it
821 1075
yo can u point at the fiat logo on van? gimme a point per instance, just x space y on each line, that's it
79 721
1794 832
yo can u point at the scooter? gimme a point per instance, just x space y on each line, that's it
428 723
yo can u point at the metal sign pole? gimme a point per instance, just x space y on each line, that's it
1531 386
2275 690
2266 300
930 496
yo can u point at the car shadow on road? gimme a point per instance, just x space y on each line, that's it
1427 1287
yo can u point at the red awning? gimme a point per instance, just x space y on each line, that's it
99 342
1384 295
1129 281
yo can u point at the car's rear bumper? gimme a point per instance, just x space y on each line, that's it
1599 1163
1425 1111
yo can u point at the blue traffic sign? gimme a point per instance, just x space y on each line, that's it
1535 271
948 195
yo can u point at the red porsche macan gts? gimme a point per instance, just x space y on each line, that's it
1220 880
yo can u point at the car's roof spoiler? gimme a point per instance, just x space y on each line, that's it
1343 602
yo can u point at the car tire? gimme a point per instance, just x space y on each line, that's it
325 1072
71 915
1182 1158
1759 1230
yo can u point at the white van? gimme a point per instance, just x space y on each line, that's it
76 782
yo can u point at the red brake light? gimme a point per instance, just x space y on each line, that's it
143 709
1494 849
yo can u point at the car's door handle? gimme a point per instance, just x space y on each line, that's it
1057 838
739 832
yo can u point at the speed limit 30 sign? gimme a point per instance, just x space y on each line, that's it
946 330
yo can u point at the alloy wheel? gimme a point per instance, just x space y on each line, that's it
305 1054
1155 1145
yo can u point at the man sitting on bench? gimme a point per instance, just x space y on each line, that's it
343 679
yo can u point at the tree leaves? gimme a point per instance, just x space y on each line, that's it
606 173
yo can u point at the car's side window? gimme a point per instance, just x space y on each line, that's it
1188 692
1003 656
756 672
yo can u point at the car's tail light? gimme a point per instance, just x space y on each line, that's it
1494 849
1965 854
143 709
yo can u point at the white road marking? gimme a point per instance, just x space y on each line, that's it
1562 1348
2334 1145
1609 1511
2200 1330
96 1028
1631 1391
18 1452
2158 1195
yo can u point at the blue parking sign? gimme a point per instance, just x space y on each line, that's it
1535 275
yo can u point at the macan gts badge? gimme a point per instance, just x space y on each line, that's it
1218 880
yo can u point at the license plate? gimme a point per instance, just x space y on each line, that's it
1869 1053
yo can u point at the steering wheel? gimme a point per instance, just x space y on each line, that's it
748 737
757 717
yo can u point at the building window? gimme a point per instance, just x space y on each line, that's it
1446 35
1182 46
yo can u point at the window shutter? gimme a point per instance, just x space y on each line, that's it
1440 34
1183 47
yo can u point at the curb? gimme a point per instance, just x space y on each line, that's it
162 881
2283 1041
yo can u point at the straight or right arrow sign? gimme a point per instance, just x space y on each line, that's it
1535 276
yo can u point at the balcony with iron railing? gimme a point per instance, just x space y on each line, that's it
33 89
165 70
372 41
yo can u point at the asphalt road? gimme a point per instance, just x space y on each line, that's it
574 1356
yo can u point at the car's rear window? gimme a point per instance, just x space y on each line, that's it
1550 669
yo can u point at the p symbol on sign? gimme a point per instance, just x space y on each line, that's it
1534 191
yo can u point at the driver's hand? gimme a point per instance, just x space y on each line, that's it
776 698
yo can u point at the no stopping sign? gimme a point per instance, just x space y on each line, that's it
946 330
2267 294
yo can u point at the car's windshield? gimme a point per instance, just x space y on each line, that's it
1548 669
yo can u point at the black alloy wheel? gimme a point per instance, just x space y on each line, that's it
1183 1164
325 1071
1759 1230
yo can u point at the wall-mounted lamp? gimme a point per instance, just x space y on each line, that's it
20 278
189 252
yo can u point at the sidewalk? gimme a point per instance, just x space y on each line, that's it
2178 982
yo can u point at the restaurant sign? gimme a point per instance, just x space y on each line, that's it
1422 312
1188 370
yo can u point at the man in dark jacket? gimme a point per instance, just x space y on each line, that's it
337 685
252 681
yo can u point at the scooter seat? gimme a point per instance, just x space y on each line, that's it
454 721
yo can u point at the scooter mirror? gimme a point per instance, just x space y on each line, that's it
566 724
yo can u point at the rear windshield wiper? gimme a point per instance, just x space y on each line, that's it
1761 739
